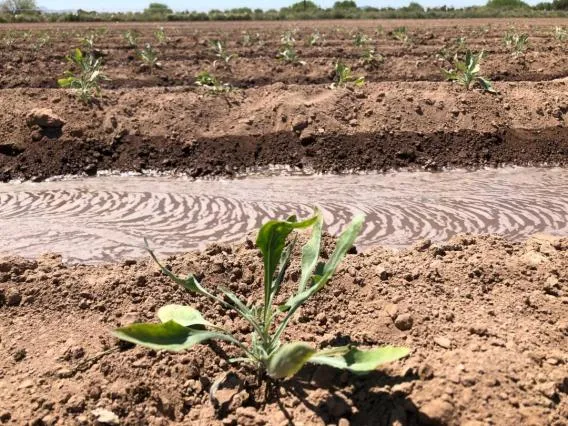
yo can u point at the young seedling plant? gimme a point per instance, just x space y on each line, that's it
560 33
131 38
401 34
515 42
221 53
182 327
360 39
160 35
210 82
289 55
314 39
88 42
371 59
86 83
467 72
343 75
149 57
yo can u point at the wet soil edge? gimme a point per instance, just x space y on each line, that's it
336 153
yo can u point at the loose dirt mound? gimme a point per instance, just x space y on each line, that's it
282 113
485 318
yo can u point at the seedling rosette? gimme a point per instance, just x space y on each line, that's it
343 75
182 327
467 72
86 83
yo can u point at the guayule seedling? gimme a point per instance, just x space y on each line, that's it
210 82
223 57
86 83
182 327
149 57
515 42
290 56
466 72
131 38
343 75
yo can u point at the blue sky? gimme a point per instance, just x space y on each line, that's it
134 5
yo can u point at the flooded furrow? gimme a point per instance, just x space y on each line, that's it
106 218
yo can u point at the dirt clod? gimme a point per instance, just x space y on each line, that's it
44 118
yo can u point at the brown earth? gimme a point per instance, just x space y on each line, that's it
405 116
485 319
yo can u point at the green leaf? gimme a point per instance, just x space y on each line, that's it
358 361
359 81
449 74
283 267
343 245
311 252
289 359
183 315
78 56
167 336
65 82
486 85
271 240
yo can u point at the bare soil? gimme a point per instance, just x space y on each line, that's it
485 318
404 116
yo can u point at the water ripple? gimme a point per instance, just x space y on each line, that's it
105 219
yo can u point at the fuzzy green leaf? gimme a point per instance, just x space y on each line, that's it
486 85
65 82
311 252
183 315
358 361
167 336
272 239
343 245
289 359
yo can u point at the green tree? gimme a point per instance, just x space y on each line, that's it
560 5
346 4
303 6
157 9
18 6
507 4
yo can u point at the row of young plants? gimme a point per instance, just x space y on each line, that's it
464 65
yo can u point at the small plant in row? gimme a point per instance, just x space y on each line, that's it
560 33
315 39
516 43
343 75
223 57
249 39
131 38
288 54
288 38
149 58
360 39
401 34
182 327
160 35
210 82
85 80
371 59
467 72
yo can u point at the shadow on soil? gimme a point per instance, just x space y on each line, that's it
362 400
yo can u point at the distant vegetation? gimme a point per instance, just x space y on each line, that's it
27 11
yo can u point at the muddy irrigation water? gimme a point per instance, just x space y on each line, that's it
105 219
